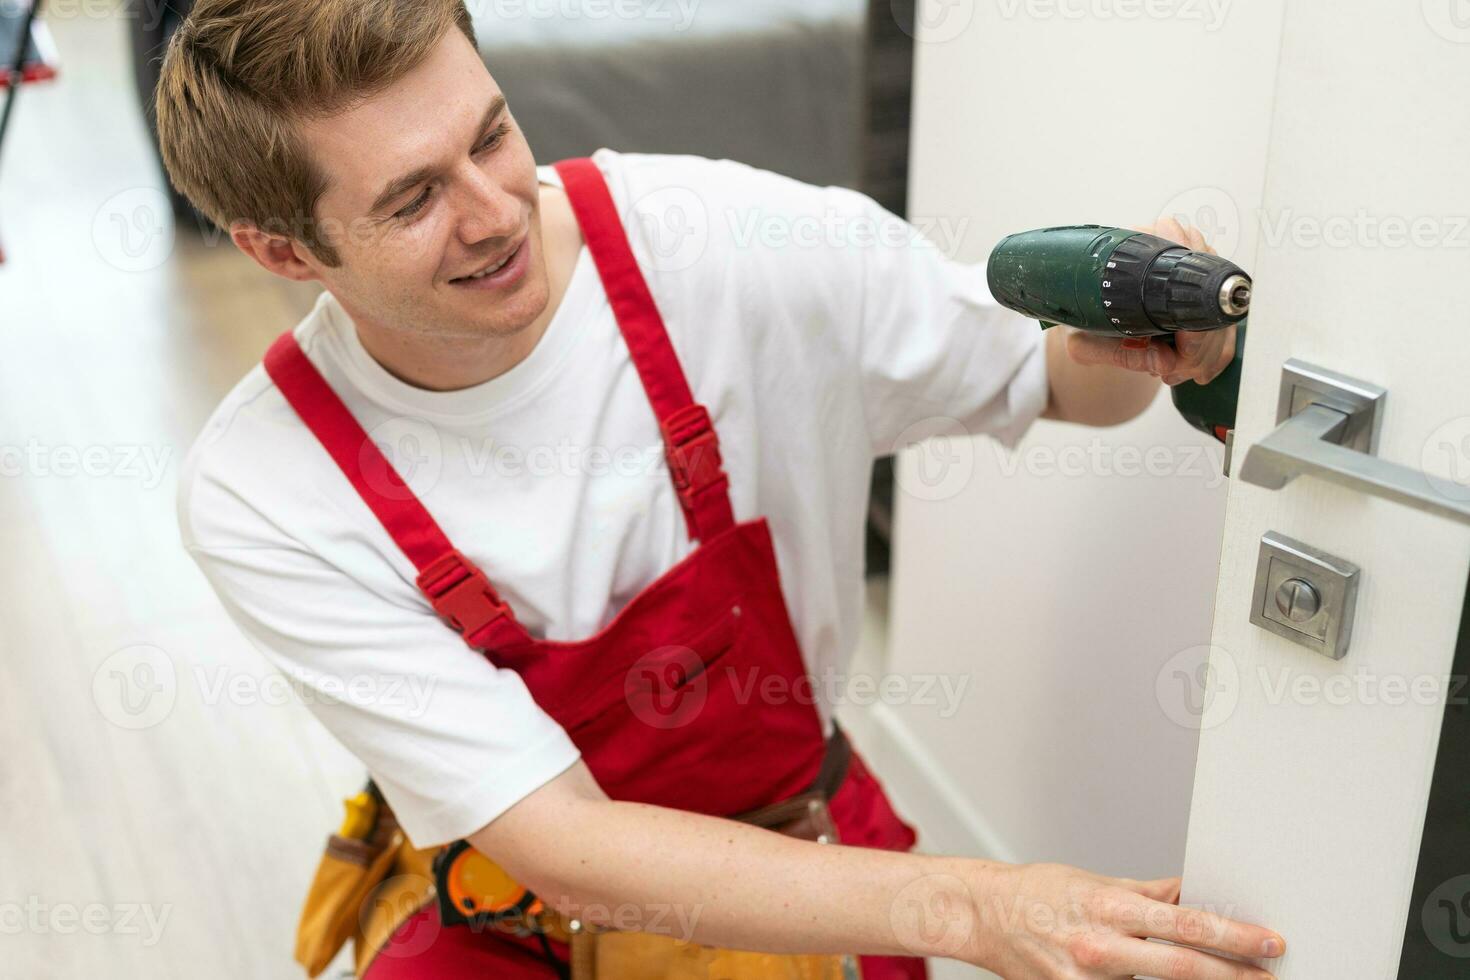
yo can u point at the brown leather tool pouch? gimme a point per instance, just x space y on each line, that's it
364 889
346 876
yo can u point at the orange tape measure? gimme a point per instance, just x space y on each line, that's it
475 891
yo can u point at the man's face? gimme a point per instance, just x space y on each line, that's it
430 182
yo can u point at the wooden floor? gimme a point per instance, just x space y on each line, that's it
162 806
154 821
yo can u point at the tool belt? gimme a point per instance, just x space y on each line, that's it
371 880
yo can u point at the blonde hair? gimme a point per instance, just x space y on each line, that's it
239 75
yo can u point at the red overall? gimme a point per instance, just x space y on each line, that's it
663 702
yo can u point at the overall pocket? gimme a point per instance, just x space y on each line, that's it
655 689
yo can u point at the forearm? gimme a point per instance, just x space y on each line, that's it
723 883
1094 394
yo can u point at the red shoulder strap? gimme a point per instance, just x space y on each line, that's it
690 443
457 589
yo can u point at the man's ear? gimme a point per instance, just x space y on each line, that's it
276 253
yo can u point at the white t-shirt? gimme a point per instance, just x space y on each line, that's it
813 332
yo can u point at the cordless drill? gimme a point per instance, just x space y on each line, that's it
1120 283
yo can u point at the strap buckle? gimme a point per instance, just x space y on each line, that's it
461 594
693 451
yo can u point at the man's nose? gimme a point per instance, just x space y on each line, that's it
486 211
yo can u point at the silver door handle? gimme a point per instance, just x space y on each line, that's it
1327 427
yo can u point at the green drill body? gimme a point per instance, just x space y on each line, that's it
1120 283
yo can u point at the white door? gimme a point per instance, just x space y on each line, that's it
1314 774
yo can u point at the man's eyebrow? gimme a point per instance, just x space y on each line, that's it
399 185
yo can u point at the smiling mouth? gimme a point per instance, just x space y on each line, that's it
493 267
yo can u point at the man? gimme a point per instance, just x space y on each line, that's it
472 426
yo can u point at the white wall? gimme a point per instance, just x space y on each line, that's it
1072 602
